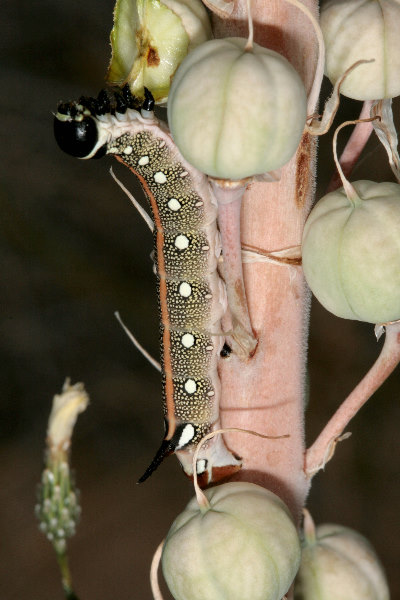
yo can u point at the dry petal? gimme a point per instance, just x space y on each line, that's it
66 408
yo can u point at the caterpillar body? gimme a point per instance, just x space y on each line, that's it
191 294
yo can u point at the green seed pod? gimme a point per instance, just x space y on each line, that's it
363 30
351 252
244 545
339 564
149 40
235 112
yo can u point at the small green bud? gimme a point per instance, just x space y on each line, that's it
363 30
236 112
149 40
244 545
351 252
339 564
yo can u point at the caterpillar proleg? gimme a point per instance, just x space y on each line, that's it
191 294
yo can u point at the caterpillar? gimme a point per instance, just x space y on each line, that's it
191 294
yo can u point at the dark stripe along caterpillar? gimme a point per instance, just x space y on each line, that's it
192 296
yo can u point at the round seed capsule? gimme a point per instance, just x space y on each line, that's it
244 545
351 252
337 564
235 112
363 30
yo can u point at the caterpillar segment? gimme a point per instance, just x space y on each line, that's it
191 295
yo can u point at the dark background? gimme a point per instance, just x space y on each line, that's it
72 252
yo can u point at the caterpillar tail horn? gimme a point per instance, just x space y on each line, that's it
216 462
164 450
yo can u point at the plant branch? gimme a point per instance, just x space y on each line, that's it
323 448
243 340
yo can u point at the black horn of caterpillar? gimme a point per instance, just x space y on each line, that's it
192 296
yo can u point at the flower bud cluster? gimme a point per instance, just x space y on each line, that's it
58 508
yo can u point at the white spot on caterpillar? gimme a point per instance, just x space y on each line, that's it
128 150
201 466
211 394
200 203
185 289
208 296
112 150
205 248
174 204
209 348
186 435
144 160
187 340
190 386
181 242
161 144
183 174
160 177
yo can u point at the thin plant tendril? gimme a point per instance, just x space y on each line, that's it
348 188
137 344
155 563
135 203
321 126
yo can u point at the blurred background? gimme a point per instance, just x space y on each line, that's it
72 252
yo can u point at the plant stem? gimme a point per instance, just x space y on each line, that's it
266 393
66 581
324 446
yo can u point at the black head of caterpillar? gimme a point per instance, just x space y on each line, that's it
75 128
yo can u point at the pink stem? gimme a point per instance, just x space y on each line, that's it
244 341
324 446
354 147
266 394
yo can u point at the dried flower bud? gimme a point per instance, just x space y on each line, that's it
66 407
149 40
351 252
235 112
362 30
244 545
339 564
